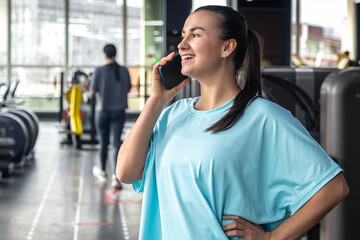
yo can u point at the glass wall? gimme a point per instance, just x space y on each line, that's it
3 44
37 51
37 28
134 44
38 88
324 32
133 32
43 45
91 25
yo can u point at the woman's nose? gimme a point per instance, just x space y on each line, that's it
183 44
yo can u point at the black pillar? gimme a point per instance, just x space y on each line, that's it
272 20
175 14
357 31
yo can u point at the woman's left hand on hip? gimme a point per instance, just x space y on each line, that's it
244 229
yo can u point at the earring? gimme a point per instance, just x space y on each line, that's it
224 56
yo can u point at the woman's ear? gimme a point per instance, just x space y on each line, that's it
229 47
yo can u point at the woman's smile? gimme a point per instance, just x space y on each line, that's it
186 58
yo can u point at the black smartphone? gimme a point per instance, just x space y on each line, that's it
171 72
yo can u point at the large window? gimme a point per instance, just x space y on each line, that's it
43 45
91 25
39 86
37 29
37 51
324 32
3 44
133 32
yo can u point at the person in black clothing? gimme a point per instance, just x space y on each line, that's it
111 83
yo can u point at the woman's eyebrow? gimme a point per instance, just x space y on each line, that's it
193 29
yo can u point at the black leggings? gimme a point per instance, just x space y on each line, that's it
110 121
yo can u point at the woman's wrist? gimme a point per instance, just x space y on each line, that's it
156 102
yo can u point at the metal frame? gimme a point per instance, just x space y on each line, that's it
8 64
297 22
233 4
67 10
124 32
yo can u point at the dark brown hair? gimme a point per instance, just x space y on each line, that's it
110 52
232 25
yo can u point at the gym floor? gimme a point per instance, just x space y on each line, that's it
57 197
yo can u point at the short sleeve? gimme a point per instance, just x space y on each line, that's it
149 164
128 80
299 167
95 81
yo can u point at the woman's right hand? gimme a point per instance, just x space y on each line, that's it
133 152
158 90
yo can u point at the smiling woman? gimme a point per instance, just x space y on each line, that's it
227 164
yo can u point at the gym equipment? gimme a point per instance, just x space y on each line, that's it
297 90
35 120
19 130
9 101
75 101
31 129
13 127
340 131
2 85
75 118
296 61
301 99
14 142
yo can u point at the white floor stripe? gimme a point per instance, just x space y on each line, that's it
123 222
78 206
42 203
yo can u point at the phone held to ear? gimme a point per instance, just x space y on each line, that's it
171 72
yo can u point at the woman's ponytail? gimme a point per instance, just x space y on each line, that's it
251 65
251 82
110 51
116 69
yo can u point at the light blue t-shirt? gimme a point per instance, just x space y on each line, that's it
263 169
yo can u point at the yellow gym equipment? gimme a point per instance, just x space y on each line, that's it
75 101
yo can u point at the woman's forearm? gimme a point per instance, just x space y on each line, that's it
313 211
132 154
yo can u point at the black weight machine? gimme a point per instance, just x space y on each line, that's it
19 130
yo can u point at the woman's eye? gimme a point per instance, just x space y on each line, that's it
193 35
